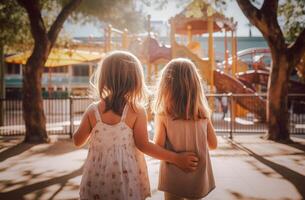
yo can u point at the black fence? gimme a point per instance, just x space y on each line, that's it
232 113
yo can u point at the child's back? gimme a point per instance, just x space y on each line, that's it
187 135
115 168
183 124
117 129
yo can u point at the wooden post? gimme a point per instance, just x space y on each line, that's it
105 39
109 37
189 34
235 52
226 52
172 37
233 69
125 39
211 58
148 25
234 59
90 69
211 50
155 71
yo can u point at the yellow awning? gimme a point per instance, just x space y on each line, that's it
59 57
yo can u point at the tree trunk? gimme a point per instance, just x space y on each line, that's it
2 85
33 114
277 102
284 57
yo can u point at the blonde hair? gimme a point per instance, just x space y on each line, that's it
179 92
119 79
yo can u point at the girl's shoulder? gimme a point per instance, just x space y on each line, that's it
95 104
92 106
93 111
137 110
161 118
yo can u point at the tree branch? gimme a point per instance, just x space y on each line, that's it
297 49
265 20
270 6
252 13
61 18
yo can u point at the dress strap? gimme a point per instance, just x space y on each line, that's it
97 113
125 110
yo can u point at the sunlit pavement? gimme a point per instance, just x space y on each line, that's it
247 168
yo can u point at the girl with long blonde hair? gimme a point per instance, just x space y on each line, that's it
182 123
117 128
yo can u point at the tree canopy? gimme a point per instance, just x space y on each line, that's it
14 27
15 32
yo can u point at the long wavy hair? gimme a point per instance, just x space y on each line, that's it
118 80
179 93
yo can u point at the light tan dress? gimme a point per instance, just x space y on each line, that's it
187 135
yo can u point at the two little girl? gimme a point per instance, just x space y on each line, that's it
117 127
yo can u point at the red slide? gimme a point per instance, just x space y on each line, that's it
226 83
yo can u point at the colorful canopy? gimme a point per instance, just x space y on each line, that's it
196 14
59 57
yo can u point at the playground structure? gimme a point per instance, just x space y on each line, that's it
186 24
235 77
154 55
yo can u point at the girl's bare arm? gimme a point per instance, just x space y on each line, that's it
160 132
212 139
186 161
81 135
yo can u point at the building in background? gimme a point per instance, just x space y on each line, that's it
66 72
57 81
73 79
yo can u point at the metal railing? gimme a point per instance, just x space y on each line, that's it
63 115
229 116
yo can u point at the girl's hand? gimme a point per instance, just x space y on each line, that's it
187 161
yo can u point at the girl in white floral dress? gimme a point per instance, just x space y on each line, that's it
117 129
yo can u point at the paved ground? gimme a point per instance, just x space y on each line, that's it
248 168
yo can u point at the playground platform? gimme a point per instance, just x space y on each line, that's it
246 168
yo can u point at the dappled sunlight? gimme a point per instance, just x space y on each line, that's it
43 171
242 169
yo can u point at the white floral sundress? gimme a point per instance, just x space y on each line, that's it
115 169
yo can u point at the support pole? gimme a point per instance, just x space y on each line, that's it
148 25
234 59
233 66
226 52
149 72
105 39
90 69
189 34
155 71
211 51
211 58
109 37
172 38
125 39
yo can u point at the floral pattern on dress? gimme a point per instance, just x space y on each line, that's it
115 168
